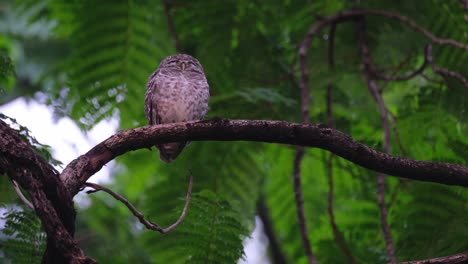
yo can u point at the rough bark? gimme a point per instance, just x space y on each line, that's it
317 135
52 202
460 258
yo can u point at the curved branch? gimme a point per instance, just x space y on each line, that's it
50 199
171 26
277 256
150 225
298 197
355 13
318 135
339 238
381 178
441 71
300 206
406 77
21 195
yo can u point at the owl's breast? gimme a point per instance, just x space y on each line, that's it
180 99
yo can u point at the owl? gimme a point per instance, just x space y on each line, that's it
176 92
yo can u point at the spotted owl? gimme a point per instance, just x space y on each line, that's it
176 92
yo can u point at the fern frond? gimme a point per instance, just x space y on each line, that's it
115 47
25 241
211 233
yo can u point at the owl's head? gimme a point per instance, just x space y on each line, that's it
181 63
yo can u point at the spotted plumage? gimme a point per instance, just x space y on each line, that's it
176 92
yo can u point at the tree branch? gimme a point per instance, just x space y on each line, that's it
52 203
339 238
21 195
376 73
170 24
376 94
305 115
300 206
320 136
442 71
460 258
150 225
277 256
331 46
348 15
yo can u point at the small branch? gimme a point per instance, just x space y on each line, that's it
403 152
277 256
21 195
150 225
331 46
396 133
300 206
430 79
348 15
305 105
465 4
170 23
381 76
442 71
460 258
400 66
339 238
376 94
394 194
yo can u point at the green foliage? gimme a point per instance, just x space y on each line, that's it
115 47
211 233
91 61
7 69
22 239
231 175
6 72
25 133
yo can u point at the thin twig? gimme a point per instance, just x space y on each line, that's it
442 71
401 65
348 15
403 152
170 23
305 105
396 133
331 46
460 258
394 194
277 256
300 206
465 4
21 195
150 225
339 238
430 79
376 94
382 76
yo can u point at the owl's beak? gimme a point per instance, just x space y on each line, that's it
183 65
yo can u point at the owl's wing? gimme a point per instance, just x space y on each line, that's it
151 109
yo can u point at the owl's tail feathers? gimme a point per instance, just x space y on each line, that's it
169 151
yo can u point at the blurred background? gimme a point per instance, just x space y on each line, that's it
72 73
